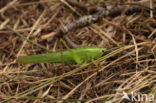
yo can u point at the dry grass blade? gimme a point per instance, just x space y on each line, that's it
8 27
9 5
127 26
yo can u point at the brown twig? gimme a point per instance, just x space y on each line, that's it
99 12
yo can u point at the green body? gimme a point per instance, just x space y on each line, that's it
71 56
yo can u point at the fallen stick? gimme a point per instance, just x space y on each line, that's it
100 12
